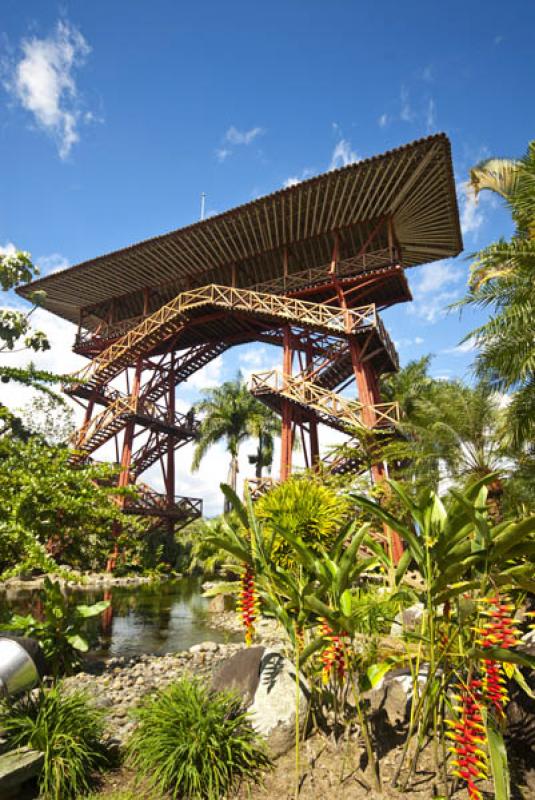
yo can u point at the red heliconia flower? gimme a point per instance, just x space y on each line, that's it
468 736
248 603
332 657
499 630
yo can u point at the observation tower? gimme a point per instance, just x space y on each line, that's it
309 268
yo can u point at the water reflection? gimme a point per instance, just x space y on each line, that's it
154 618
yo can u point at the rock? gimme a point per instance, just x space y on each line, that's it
240 673
273 712
392 700
204 647
17 767
407 619
221 603
266 681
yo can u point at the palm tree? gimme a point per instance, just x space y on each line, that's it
227 412
409 386
265 425
502 279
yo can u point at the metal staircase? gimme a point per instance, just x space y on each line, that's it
329 408
175 316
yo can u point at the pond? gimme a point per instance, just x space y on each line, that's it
154 618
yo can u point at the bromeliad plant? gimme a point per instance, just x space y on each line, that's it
60 632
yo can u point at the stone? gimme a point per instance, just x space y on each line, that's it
407 619
204 647
221 603
17 767
273 710
265 680
240 673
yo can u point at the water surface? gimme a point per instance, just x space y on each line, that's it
155 618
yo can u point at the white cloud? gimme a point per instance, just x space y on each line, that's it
293 180
55 262
208 377
461 349
427 74
235 136
404 342
406 113
430 116
472 216
7 249
383 120
42 81
343 155
222 153
436 286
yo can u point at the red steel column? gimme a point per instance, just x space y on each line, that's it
369 396
287 432
170 478
313 423
126 457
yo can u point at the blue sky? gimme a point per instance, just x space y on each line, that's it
114 117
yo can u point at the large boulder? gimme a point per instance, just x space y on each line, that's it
267 682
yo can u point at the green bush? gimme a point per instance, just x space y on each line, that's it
194 743
61 631
67 729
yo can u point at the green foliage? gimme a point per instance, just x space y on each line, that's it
67 729
193 743
203 556
502 280
301 507
230 412
49 510
60 631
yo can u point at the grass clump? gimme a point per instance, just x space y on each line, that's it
68 730
194 743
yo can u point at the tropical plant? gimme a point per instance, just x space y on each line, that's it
502 279
51 513
67 729
60 631
468 567
194 743
264 425
304 507
16 334
227 413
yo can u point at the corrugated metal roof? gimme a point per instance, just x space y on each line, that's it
413 184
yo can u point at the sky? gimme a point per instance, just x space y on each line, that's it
115 117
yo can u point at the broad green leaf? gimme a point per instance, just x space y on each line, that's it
94 610
376 672
346 603
78 642
498 762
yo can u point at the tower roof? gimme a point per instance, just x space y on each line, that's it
413 185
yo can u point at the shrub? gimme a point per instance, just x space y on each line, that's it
194 743
67 729
301 507
61 631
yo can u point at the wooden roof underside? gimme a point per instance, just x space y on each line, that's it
413 185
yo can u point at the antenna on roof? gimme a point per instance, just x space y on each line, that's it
203 200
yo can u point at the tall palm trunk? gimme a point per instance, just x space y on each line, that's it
232 479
